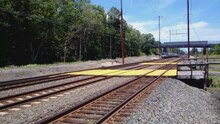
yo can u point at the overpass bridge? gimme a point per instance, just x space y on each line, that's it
184 44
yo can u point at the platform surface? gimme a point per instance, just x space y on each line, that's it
117 72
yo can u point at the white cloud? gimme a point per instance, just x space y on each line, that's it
144 26
198 31
200 24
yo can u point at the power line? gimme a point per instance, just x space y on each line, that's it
151 4
195 31
196 34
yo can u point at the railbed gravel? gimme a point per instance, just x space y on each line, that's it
39 86
44 109
174 102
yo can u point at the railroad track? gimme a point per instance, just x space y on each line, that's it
8 85
109 107
17 101
36 80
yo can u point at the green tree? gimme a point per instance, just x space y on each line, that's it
194 51
133 42
215 49
42 31
149 43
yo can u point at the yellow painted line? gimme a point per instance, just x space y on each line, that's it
159 72
159 63
116 72
170 73
135 73
156 73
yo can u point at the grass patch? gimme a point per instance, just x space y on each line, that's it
214 84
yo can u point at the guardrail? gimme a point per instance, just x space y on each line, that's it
195 66
202 66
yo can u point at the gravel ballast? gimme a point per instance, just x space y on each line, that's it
47 108
174 102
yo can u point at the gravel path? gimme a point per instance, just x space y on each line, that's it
43 109
174 102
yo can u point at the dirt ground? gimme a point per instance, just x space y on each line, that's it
25 72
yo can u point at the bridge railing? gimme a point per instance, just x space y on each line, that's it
214 42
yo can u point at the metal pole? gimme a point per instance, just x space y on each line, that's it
188 29
122 34
159 35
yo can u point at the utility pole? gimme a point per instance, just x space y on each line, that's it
159 35
122 34
188 28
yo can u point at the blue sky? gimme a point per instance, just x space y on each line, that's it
143 15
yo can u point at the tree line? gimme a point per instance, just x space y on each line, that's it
39 31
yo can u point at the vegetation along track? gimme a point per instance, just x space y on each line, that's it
6 85
33 97
111 106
